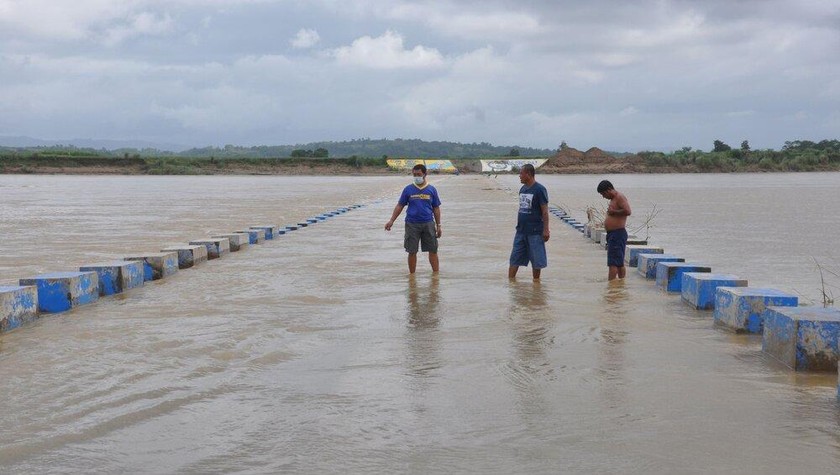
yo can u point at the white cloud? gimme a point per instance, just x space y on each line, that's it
145 23
628 111
387 52
305 38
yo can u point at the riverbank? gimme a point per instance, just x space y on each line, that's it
566 161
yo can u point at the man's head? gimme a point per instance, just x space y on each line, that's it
526 173
606 189
419 173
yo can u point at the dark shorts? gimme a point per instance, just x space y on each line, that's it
420 235
616 242
528 248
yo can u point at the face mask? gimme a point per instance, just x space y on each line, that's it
418 180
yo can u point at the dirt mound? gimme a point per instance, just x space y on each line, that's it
596 153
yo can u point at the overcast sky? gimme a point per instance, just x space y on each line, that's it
620 75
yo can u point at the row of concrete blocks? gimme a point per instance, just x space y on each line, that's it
802 338
559 213
60 291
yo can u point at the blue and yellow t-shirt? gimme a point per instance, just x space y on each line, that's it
421 201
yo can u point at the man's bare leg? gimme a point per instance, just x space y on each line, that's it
613 274
536 273
622 272
412 263
512 272
433 260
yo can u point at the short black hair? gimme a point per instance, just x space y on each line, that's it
420 167
605 185
528 168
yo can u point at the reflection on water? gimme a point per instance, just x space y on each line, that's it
423 317
530 368
613 322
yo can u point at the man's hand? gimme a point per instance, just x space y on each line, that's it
438 231
546 235
388 225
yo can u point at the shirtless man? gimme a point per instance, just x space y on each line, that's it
617 213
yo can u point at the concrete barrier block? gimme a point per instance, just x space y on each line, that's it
255 236
61 291
117 277
237 241
189 256
647 263
270 231
631 253
216 248
741 309
311 221
669 274
18 305
157 265
302 224
698 288
802 338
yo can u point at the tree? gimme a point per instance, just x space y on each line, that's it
745 146
514 152
321 153
563 145
721 147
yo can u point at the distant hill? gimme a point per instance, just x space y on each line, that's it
372 148
93 144
414 148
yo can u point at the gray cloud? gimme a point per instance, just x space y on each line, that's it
619 75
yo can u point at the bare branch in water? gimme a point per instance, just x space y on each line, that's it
827 296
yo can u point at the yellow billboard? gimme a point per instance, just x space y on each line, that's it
405 164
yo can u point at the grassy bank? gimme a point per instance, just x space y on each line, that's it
57 163
794 157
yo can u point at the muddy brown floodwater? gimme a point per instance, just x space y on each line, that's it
316 353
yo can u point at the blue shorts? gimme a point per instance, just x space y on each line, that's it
616 242
528 248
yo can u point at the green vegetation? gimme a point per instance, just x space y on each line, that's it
800 155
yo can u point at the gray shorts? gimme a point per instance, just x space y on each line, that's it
423 234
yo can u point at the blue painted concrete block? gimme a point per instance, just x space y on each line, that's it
302 224
255 236
237 241
189 256
18 305
647 263
803 338
698 288
631 253
741 309
669 274
216 248
157 265
270 231
61 291
311 221
118 276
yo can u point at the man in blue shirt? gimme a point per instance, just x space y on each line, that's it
532 225
422 220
